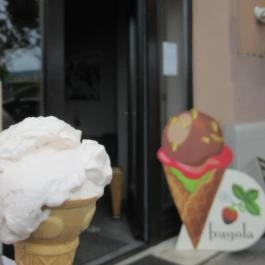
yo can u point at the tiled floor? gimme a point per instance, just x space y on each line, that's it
152 260
114 234
114 230
104 224
166 251
254 255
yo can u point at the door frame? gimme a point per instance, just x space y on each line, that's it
53 78
157 224
152 225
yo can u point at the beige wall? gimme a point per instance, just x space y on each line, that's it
229 83
1 115
249 88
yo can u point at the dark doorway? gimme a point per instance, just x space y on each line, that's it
96 40
91 71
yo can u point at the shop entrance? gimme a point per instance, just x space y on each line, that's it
101 71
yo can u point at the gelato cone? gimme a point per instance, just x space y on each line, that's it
194 158
45 164
56 239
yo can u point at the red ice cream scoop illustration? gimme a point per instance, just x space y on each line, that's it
194 158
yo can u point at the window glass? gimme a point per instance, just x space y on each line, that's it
20 59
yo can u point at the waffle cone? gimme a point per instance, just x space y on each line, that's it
56 239
194 207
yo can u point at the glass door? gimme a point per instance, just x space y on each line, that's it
154 96
20 64
136 183
175 78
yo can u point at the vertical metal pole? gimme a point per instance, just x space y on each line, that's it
142 101
187 46
151 112
42 44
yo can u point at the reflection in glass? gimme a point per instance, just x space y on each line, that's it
20 59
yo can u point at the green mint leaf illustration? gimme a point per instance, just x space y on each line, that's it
253 208
239 192
252 195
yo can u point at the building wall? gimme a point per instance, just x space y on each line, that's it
229 75
1 110
249 88
229 71
247 39
213 87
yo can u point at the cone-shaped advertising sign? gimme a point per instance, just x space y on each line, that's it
221 209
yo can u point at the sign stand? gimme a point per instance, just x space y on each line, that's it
185 253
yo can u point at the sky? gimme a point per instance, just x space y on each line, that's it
24 60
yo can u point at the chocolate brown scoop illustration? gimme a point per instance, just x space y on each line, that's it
194 158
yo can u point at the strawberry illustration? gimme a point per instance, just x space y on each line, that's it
246 202
229 215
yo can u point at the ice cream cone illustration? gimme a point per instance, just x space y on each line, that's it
194 159
56 239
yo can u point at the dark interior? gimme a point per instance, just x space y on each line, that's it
91 61
91 71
